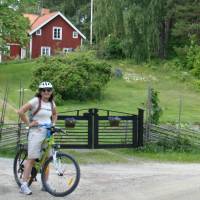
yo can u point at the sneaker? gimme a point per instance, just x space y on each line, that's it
43 189
25 189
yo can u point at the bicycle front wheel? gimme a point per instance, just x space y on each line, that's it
60 175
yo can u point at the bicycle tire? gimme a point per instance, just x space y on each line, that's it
75 184
15 167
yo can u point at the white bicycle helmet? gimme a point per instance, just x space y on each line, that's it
45 84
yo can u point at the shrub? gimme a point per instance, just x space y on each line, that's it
58 99
178 143
75 76
196 65
156 109
111 48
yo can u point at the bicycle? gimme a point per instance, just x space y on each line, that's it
60 173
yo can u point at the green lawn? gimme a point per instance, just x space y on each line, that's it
123 156
120 94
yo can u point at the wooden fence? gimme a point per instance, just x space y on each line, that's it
171 133
9 135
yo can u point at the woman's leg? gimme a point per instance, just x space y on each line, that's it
27 170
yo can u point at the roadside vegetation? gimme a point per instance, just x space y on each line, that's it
136 45
125 93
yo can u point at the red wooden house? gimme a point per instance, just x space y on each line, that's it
49 33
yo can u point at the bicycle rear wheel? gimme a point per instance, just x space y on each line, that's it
60 176
18 166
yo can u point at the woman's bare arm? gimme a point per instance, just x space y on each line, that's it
22 112
23 116
54 116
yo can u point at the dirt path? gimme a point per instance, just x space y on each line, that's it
139 181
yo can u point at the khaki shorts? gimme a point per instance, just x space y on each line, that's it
35 138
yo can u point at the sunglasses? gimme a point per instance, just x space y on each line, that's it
46 89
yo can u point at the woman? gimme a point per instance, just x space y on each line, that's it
42 111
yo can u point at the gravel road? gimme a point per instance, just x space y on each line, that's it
136 181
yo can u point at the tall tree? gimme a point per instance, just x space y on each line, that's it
108 19
13 26
186 21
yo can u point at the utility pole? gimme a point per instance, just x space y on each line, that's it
148 112
40 6
91 22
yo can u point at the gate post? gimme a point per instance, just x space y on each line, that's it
96 128
135 131
140 126
93 128
90 128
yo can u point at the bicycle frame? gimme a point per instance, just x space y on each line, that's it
48 143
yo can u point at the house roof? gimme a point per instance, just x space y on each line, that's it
38 21
31 17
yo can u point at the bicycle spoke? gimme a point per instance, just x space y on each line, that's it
63 176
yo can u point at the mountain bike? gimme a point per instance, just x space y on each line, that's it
60 172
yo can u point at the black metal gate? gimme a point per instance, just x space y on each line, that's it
94 129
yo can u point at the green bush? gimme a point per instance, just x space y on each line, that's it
111 48
58 99
77 76
156 111
196 65
178 143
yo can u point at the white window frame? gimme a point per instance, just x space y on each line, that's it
7 50
39 32
58 28
46 49
67 50
75 34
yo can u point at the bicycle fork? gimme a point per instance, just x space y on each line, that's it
57 164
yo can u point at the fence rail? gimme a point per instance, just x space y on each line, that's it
171 133
112 137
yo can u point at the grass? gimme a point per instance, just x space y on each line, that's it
11 74
162 156
97 156
7 153
119 94
128 156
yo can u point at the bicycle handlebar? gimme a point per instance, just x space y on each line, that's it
53 129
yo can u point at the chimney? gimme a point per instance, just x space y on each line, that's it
45 11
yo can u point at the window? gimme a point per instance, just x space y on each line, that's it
45 51
67 50
57 33
75 34
39 32
6 51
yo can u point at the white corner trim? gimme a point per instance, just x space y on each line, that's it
54 16
81 42
30 47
